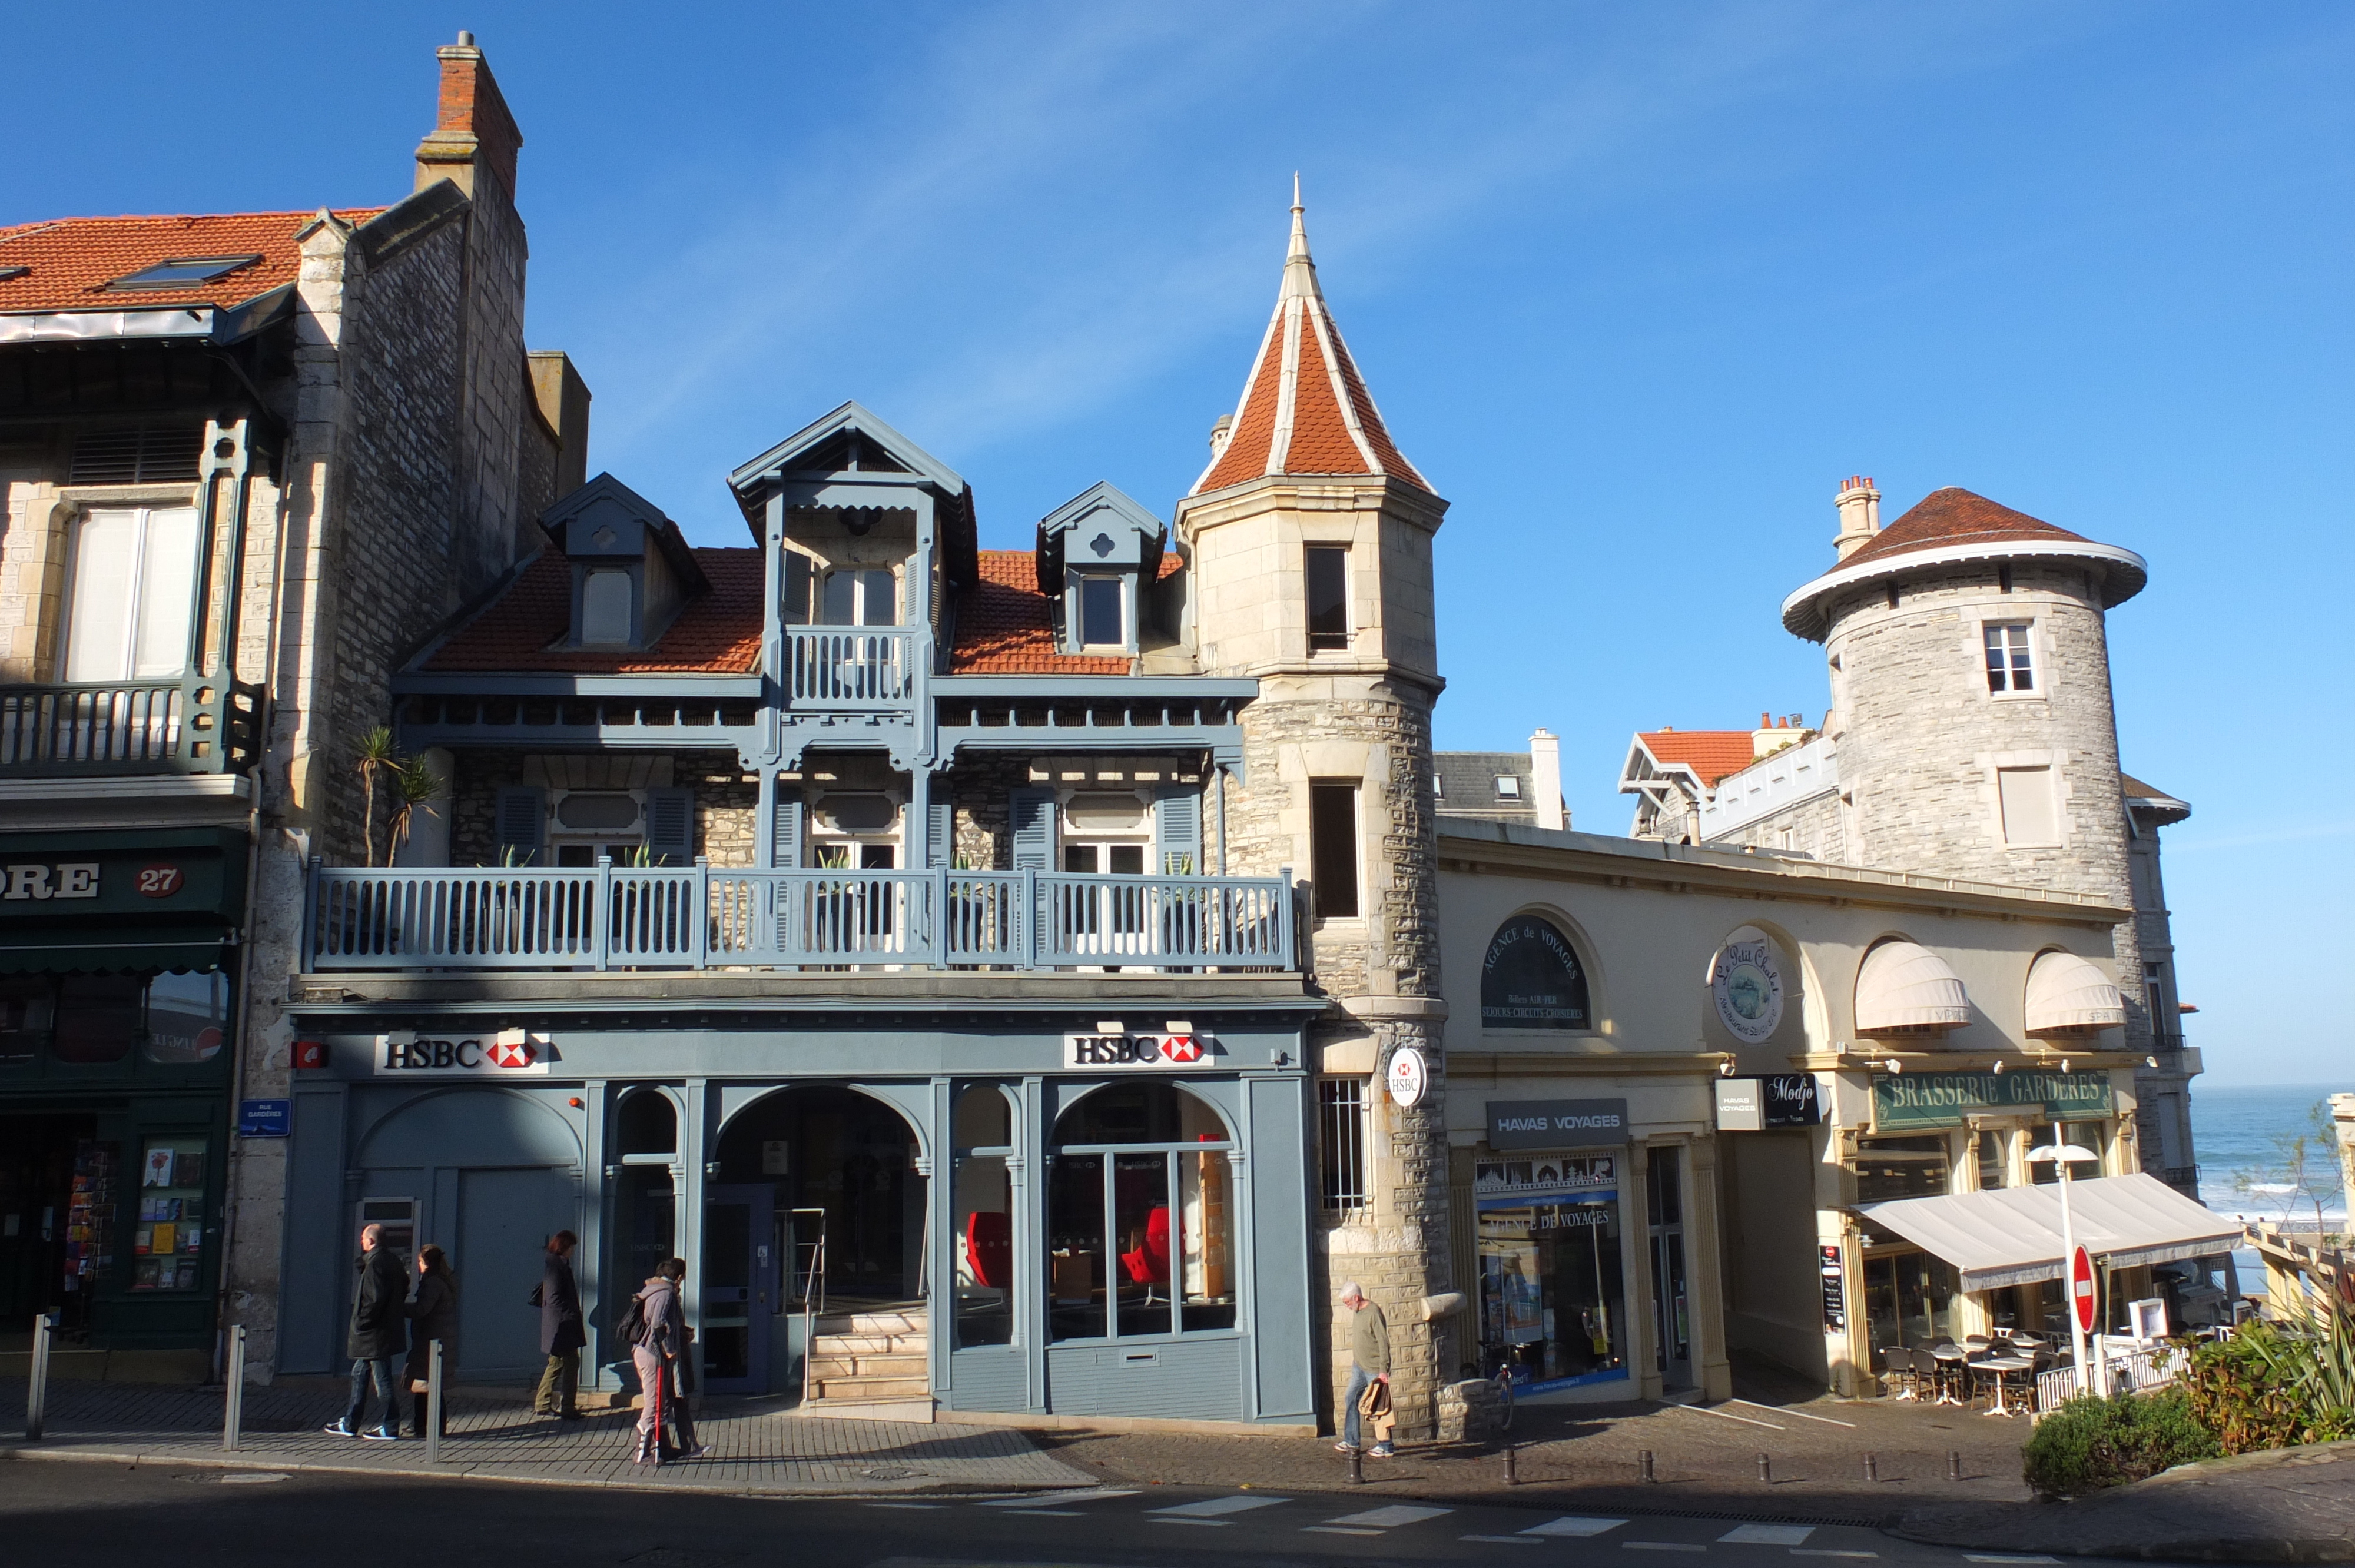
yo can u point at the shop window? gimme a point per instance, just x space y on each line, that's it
1994 1152
1140 1238
1909 1299
1342 1121
2083 1134
1890 1167
648 1124
28 1009
168 1243
187 1017
1552 1291
1333 849
1531 978
98 1017
983 1133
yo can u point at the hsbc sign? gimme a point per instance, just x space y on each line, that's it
509 1053
1145 1053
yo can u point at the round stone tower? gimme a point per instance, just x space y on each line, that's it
1970 679
1309 539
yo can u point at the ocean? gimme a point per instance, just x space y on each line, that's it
2230 1132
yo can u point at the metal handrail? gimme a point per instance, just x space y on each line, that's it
813 1298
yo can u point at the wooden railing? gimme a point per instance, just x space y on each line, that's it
98 728
702 917
849 667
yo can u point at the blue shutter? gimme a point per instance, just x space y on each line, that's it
785 846
1033 815
1177 830
943 833
670 826
522 816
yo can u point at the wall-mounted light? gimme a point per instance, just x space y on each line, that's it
1999 1065
2064 1064
2150 1061
1725 1065
1894 1065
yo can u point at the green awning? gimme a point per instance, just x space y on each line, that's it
116 951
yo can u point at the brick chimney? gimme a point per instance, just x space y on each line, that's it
474 134
1859 515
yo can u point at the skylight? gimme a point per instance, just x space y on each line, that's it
7 273
182 272
1507 787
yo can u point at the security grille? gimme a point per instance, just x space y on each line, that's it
138 454
1341 1114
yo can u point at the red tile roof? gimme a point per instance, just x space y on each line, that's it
718 634
1957 516
71 260
1711 754
1315 418
1003 627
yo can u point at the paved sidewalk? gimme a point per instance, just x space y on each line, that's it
755 1447
2290 1505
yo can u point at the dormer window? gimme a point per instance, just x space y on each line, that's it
860 597
1103 621
1099 558
631 573
183 273
607 596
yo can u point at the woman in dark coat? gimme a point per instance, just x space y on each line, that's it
562 1330
434 1311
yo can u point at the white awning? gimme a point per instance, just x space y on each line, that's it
2067 994
1904 985
2013 1236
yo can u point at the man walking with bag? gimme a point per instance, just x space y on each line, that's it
379 1331
1370 1362
562 1331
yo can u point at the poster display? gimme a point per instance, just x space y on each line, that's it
1551 1295
168 1242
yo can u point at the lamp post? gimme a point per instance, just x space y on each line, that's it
2060 1155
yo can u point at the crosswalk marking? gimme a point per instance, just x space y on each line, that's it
1574 1524
1506 1540
1970 1558
1049 1513
906 1505
1663 1546
1390 1518
1210 1508
1046 1499
1825 1552
1768 1534
1336 1530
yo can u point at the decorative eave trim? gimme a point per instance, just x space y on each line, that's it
1803 614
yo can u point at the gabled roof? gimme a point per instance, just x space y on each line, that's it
604 496
1304 408
1708 754
824 443
719 633
69 261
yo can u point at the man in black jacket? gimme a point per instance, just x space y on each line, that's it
379 1332
562 1331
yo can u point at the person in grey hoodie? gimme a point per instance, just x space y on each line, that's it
661 1333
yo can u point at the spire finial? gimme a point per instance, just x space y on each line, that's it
1295 192
1299 271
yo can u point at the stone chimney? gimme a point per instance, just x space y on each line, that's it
563 401
1772 734
1545 779
1219 434
474 133
1859 515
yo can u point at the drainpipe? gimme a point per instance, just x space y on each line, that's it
1221 777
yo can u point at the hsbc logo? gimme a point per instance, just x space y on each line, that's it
1145 1051
511 1052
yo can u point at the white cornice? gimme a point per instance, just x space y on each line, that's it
1803 613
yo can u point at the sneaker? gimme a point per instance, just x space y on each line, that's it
1345 1448
1381 1451
380 1434
697 1452
339 1429
571 1415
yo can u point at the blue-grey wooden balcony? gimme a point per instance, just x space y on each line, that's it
707 917
177 725
848 668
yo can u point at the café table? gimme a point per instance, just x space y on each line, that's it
1952 1360
2003 1367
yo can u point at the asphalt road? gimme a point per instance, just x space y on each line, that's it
103 1515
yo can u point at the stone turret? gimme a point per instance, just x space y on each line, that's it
1309 536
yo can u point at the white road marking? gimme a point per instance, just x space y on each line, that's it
1802 1415
1210 1508
1391 1518
1768 1534
1722 1415
1205 1523
1662 1546
1049 1513
1081 1494
254 1477
1827 1552
1334 1530
1969 1558
1506 1540
1574 1524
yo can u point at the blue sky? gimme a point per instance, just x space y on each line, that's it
1634 285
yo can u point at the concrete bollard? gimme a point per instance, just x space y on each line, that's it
1512 1474
1644 1463
1954 1464
233 1394
1872 1466
431 1423
1766 1469
1357 1469
37 1391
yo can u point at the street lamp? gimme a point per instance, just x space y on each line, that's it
2062 1155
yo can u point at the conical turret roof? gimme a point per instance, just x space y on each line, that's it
1305 409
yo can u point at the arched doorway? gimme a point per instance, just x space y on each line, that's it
1140 1216
817 1203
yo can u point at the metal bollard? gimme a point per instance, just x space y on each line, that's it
1954 1464
1766 1469
1644 1460
430 1422
1512 1476
37 1391
1357 1469
233 1395
1872 1466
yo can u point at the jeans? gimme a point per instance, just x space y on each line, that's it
380 1370
1359 1381
559 1386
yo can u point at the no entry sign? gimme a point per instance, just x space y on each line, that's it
2081 1288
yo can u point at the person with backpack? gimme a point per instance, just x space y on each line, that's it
656 1331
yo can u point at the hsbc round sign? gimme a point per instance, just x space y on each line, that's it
2082 1298
1408 1077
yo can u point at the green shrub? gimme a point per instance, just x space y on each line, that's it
2275 1385
2091 1441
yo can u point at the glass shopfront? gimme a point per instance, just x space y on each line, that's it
1552 1299
1909 1300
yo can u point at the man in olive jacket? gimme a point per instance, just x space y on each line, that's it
1370 1362
379 1332
562 1331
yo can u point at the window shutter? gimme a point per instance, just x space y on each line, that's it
943 833
670 826
1033 814
785 846
1177 831
522 823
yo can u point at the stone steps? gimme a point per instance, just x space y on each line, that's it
871 1365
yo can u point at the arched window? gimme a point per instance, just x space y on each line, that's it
648 1124
1531 978
1140 1216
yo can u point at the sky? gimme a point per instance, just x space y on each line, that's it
1635 286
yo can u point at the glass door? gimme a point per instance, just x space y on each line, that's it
1671 1315
739 1286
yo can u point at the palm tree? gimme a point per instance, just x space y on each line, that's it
376 754
414 784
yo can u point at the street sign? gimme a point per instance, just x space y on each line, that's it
2081 1289
265 1118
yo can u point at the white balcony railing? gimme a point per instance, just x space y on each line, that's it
702 917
